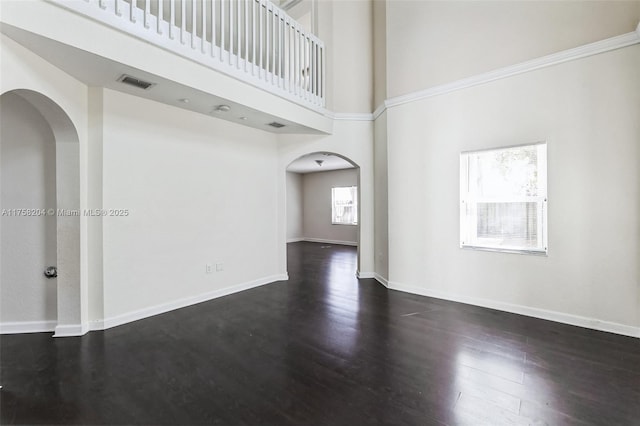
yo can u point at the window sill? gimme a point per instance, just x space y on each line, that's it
533 252
348 224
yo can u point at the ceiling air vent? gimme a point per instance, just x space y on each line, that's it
136 82
276 124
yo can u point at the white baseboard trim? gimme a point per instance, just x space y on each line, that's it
561 317
20 327
182 303
294 240
382 280
71 330
365 275
338 242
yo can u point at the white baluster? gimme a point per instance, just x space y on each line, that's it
118 8
296 68
306 67
272 45
324 73
285 53
260 43
302 61
102 4
194 24
132 11
246 34
222 30
230 31
183 21
253 35
312 67
239 21
213 28
160 15
204 25
267 49
280 49
172 19
147 13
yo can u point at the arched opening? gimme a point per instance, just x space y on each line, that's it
323 200
40 227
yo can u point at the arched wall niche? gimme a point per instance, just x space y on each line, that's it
67 210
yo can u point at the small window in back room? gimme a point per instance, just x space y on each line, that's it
503 199
344 205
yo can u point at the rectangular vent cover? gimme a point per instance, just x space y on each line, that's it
136 82
276 124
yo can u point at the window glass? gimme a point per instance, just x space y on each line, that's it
503 199
344 205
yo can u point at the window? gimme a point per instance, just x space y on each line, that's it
344 205
503 199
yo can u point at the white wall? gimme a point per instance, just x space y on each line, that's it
588 111
294 207
379 42
28 157
316 195
434 42
346 29
199 190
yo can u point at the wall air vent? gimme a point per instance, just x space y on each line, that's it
136 82
276 124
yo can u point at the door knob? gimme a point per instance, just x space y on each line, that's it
51 272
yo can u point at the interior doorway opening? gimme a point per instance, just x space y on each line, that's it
323 199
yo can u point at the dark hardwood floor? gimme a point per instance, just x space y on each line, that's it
324 349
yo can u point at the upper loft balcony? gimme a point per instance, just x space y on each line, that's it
280 65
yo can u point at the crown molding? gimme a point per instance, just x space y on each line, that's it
381 108
602 46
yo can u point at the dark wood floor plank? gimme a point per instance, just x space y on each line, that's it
324 348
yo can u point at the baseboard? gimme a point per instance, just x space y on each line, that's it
182 303
338 242
382 280
21 327
71 330
295 240
561 317
365 275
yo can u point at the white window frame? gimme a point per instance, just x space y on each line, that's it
333 206
469 201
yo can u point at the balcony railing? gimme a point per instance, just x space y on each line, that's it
252 40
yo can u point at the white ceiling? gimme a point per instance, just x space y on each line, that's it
307 163
97 71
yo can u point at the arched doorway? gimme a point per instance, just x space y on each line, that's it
322 199
40 202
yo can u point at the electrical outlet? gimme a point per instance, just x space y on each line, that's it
208 268
219 267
